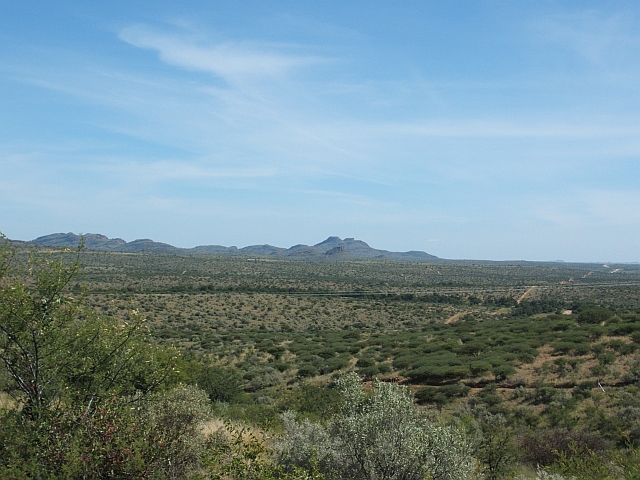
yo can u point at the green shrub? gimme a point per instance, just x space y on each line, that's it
382 435
281 366
365 362
503 372
543 395
313 401
221 384
581 349
606 358
158 436
627 348
479 367
583 389
333 364
455 390
595 315
599 370
429 395
545 447
384 368
307 370
369 372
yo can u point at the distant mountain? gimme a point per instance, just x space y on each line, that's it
92 241
333 248
360 249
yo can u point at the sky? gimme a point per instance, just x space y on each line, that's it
493 130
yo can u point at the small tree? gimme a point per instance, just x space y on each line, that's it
496 451
34 317
55 351
91 397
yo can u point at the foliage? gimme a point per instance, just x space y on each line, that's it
544 446
431 395
55 351
585 465
236 453
496 451
263 337
542 474
175 428
305 445
381 435
221 384
154 437
595 315
91 394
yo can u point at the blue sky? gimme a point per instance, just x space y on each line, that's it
467 129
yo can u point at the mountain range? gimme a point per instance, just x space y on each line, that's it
333 248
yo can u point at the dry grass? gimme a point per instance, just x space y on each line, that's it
6 401
227 428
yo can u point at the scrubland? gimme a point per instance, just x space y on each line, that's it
514 366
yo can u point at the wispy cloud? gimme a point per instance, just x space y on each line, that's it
228 60
571 128
157 171
595 36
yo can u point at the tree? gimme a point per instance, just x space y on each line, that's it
33 318
55 351
221 384
92 397
496 451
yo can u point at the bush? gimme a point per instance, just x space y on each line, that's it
304 445
544 395
583 389
266 377
455 390
606 358
595 315
333 364
93 390
175 419
307 370
627 348
382 435
158 436
544 447
431 395
238 454
56 352
503 372
312 400
369 372
221 384
479 367
496 450
365 362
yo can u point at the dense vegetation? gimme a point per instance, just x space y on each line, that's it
154 366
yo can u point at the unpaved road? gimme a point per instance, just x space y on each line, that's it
524 295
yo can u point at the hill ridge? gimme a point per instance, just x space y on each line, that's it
333 248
